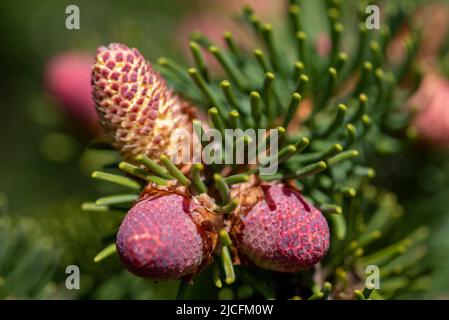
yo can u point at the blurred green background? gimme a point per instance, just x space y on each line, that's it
45 167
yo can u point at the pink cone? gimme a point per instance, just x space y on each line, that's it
432 119
214 18
323 45
67 79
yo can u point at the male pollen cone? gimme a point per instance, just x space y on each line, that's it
136 108
276 229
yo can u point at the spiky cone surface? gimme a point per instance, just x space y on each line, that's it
276 229
168 234
137 109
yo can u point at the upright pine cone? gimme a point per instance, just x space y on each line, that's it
135 106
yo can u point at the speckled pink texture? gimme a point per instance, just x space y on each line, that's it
136 107
159 240
283 232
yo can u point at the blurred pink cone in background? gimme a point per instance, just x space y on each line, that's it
213 18
432 18
323 45
213 27
434 21
432 103
67 79
263 8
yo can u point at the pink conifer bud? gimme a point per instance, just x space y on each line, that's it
432 119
